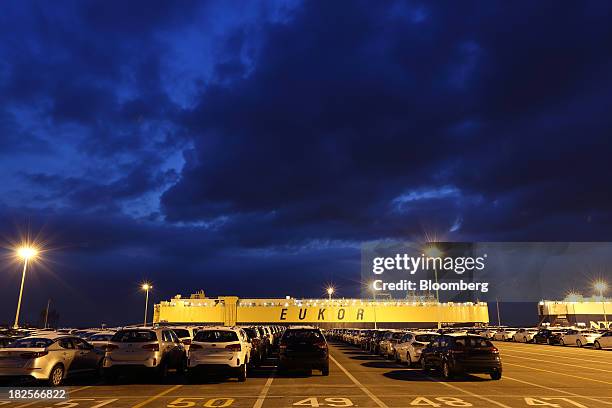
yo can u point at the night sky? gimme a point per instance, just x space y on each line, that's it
250 148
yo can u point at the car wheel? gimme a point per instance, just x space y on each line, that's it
446 372
578 343
424 366
162 371
597 345
56 376
242 373
182 367
325 370
496 375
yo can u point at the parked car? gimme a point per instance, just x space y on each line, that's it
548 336
578 338
462 354
51 358
524 335
603 341
258 352
504 334
5 341
303 347
153 350
377 337
220 348
410 346
101 339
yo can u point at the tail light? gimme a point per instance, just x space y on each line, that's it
187 342
152 347
282 346
233 347
110 347
195 347
321 344
494 350
35 354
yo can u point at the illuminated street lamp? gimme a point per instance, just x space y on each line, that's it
601 287
146 287
26 253
330 292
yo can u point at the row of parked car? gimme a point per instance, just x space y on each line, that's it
448 352
563 336
51 356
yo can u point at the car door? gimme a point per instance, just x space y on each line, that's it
167 346
68 353
86 358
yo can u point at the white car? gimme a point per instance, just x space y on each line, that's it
185 334
524 335
221 347
603 341
578 337
51 358
408 350
504 334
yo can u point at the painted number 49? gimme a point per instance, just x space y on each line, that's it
330 402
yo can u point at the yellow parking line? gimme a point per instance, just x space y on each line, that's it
552 356
499 404
153 398
264 392
556 372
558 390
360 385
557 362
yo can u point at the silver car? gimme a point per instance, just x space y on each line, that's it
136 349
50 358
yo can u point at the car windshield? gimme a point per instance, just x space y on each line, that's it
182 333
101 337
134 336
33 342
216 336
301 336
473 342
250 332
425 338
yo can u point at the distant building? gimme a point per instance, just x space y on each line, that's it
582 312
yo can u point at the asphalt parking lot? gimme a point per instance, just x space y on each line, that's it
534 375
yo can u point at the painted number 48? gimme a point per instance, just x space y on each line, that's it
330 402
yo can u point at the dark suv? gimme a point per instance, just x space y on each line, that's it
548 336
303 347
462 354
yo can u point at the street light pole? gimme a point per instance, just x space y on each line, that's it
23 274
26 253
47 312
146 287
